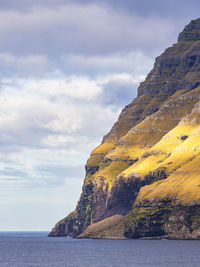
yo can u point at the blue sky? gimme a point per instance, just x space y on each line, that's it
67 68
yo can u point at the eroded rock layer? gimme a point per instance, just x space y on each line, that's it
143 181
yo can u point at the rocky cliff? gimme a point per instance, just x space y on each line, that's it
143 181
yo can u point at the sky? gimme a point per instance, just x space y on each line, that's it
67 68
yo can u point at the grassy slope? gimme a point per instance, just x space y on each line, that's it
102 155
143 140
182 162
169 151
157 135
183 185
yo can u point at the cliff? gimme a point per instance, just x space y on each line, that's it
143 181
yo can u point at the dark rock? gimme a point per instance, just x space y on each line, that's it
166 219
123 194
184 137
191 32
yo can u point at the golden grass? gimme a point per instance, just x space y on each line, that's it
95 159
148 132
183 162
183 185
170 152
104 148
112 171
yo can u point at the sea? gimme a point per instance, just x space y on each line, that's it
24 249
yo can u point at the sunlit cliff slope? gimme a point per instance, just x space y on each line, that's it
143 181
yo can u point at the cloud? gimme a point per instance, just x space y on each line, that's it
120 89
68 29
56 122
40 67
142 7
136 62
51 122
32 104
11 65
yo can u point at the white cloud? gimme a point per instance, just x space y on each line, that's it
123 78
134 62
81 88
68 29
68 67
35 66
51 120
58 140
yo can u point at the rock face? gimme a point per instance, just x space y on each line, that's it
143 181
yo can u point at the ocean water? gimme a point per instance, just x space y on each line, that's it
24 249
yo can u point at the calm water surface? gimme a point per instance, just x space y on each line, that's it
21 249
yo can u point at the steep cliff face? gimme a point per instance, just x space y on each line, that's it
144 179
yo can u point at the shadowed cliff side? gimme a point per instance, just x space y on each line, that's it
153 138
